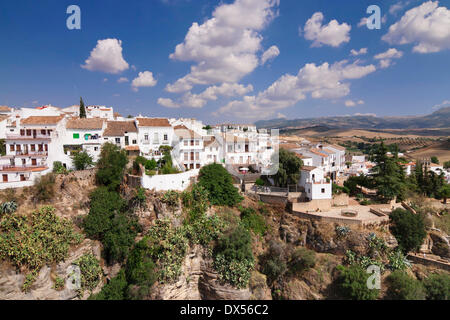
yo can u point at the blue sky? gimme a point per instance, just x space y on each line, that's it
41 60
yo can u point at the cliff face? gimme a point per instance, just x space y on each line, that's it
11 281
199 281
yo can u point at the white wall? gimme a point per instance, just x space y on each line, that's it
177 182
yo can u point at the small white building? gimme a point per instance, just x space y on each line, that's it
152 134
316 186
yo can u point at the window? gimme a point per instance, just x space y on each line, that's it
76 136
43 132
146 137
11 147
230 148
197 156
118 140
95 148
197 142
323 190
33 147
18 147
185 143
198 165
22 132
166 137
186 156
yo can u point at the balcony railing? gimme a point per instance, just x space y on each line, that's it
32 137
39 165
32 153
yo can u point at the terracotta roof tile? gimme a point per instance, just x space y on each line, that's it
86 123
118 128
5 108
153 122
308 168
42 120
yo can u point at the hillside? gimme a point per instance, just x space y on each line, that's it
438 119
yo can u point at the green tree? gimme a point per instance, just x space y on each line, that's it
111 166
115 289
289 169
301 260
2 147
352 283
403 287
444 192
434 160
215 179
446 164
389 177
82 109
408 229
438 286
82 160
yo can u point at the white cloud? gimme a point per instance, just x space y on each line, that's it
319 82
445 103
362 22
106 57
270 54
105 79
332 34
365 114
122 80
391 53
212 93
351 103
359 52
399 6
168 103
224 47
144 79
427 26
387 56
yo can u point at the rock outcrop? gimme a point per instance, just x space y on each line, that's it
11 281
199 281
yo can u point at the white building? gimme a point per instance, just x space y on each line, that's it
189 148
123 134
152 134
316 186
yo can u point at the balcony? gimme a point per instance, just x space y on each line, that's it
14 168
31 153
32 137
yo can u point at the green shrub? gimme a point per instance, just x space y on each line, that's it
352 283
90 270
59 284
403 287
219 184
32 242
253 221
8 207
115 289
408 229
171 198
233 257
58 168
82 160
140 271
301 260
111 166
167 246
151 164
438 287
109 222
259 182
273 262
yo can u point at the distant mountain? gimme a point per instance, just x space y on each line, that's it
438 119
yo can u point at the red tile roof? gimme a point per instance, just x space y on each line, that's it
42 120
153 122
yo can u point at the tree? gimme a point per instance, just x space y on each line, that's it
352 283
2 147
289 169
403 287
388 176
82 160
82 109
434 160
215 179
438 287
408 228
302 259
446 164
444 192
111 166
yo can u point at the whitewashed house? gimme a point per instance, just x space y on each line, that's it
123 134
189 148
152 134
316 186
